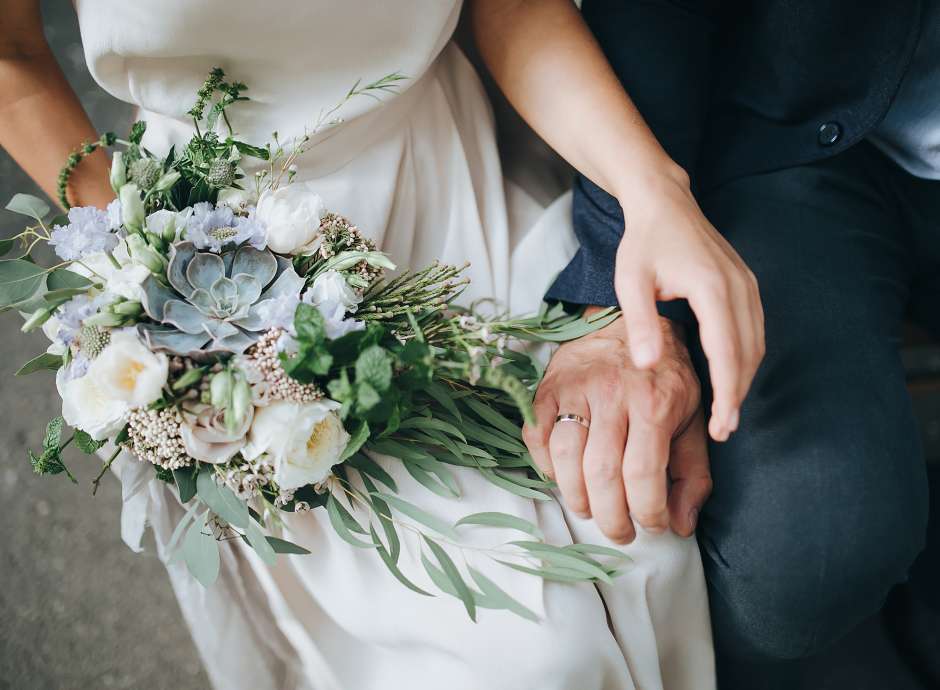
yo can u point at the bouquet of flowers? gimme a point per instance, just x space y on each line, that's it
257 352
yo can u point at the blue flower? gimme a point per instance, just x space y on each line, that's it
212 227
88 232
75 311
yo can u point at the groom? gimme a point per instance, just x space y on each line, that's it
811 132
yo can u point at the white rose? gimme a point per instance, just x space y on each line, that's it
207 439
126 370
291 215
302 440
87 406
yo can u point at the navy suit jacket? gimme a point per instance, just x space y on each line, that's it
736 88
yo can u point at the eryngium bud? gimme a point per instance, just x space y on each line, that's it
221 173
145 172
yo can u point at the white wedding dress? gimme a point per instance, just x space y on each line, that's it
420 173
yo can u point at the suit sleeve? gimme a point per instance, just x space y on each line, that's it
661 52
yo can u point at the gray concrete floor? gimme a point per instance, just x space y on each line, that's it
77 608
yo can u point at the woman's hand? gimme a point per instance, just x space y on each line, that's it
668 251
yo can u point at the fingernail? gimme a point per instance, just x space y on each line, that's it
693 518
582 515
735 420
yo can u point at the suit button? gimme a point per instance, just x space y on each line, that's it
829 133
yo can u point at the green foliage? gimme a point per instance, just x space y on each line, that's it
86 443
49 461
201 552
45 361
28 205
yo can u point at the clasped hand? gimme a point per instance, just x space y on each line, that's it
646 431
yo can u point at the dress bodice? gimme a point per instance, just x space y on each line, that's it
298 57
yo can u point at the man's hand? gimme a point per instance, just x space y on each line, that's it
643 424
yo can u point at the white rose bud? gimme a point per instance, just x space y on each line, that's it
127 371
132 208
118 172
302 441
291 216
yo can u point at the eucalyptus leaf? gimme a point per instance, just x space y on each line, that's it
429 423
45 361
28 205
284 546
419 515
19 280
366 465
450 570
549 572
181 527
598 550
64 279
429 481
511 487
492 519
201 554
393 567
558 556
6 246
495 595
333 511
492 416
384 515
185 479
442 394
258 542
221 500
356 440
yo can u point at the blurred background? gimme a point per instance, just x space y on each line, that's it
79 610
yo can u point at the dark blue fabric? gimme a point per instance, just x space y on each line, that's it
820 499
736 88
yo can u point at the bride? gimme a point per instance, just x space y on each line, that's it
420 172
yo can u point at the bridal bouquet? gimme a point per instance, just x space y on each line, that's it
258 353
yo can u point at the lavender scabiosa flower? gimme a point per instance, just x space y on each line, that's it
212 227
73 313
88 232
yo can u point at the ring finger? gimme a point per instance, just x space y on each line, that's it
566 447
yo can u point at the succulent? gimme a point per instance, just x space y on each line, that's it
215 303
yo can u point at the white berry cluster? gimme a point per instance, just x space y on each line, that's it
154 436
247 479
269 377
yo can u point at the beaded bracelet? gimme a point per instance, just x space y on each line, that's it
107 139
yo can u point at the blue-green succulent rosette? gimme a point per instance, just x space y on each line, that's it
256 352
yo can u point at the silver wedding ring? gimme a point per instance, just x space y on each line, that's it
576 418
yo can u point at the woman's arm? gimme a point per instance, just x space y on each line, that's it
551 69
41 119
